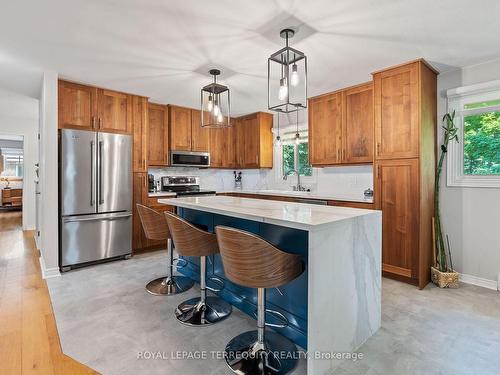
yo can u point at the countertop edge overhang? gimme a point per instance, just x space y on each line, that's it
235 206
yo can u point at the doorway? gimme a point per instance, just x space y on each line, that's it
11 176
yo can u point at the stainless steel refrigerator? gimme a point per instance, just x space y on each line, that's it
95 190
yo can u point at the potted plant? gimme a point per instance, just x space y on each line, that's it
442 272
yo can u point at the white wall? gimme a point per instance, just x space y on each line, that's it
48 176
19 116
471 216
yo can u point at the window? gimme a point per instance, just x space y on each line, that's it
481 139
475 160
12 162
296 157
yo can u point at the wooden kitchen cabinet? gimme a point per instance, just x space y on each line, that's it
90 108
341 127
405 100
140 133
218 147
397 191
114 111
254 141
157 135
200 137
249 142
325 129
230 158
77 106
357 124
140 196
396 93
140 189
180 128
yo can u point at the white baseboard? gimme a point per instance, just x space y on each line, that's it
37 241
48 272
479 281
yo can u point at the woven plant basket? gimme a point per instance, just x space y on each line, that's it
444 279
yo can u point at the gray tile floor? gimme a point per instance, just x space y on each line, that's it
106 320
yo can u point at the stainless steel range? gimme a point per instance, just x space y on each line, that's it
183 186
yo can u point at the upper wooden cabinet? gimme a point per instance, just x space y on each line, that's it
157 135
77 106
186 133
396 93
140 133
218 146
341 127
200 137
230 158
325 129
89 108
357 129
115 111
180 128
254 141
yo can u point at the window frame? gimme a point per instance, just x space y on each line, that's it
457 99
280 174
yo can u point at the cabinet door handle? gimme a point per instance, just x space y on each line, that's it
100 123
378 148
378 171
343 154
93 122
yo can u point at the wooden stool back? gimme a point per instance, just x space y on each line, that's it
154 223
189 240
251 261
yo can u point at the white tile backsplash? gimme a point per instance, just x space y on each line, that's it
335 181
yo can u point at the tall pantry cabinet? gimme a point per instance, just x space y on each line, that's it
405 99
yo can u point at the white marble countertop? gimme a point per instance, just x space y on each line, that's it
161 194
304 194
289 214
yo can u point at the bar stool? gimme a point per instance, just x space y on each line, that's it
156 228
191 241
251 261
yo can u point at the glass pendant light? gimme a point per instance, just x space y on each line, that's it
215 104
287 78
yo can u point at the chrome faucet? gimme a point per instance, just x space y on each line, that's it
297 187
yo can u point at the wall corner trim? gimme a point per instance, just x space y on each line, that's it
478 281
48 273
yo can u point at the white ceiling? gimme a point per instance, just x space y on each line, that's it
162 49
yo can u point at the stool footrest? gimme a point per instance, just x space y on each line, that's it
277 315
216 280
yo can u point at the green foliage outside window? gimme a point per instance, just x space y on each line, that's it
305 168
288 158
482 142
302 159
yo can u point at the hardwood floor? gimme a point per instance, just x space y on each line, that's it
29 342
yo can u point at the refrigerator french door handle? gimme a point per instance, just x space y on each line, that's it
72 219
101 200
92 173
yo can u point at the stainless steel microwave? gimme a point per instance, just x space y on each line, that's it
189 159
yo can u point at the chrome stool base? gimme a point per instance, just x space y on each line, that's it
166 286
194 313
244 355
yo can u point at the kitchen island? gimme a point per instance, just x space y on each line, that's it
335 305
